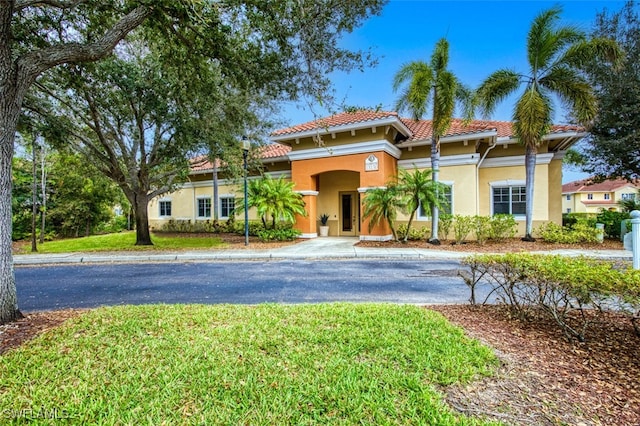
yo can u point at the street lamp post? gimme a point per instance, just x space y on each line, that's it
245 152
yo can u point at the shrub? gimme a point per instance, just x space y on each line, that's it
482 228
462 226
556 287
580 233
503 226
612 222
415 234
278 234
254 227
444 225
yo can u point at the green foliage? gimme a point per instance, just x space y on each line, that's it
324 218
581 232
255 227
557 287
284 233
570 219
303 364
414 234
613 148
274 200
21 200
502 226
417 188
612 222
462 226
381 204
482 228
444 225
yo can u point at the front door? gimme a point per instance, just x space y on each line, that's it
349 214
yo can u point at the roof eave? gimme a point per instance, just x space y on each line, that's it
387 121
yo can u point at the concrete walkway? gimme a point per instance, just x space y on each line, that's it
316 248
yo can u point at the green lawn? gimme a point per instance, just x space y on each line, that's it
124 241
257 365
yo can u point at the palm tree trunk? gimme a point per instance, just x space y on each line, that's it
530 170
435 175
406 237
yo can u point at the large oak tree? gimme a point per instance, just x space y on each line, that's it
297 43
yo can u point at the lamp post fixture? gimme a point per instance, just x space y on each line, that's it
245 152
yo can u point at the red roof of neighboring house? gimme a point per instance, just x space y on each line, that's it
420 129
272 150
587 185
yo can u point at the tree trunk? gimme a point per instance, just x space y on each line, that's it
435 175
10 105
406 237
530 170
141 204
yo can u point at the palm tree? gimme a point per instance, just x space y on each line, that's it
381 204
556 55
432 84
275 199
417 188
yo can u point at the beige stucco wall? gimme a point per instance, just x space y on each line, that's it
344 138
330 185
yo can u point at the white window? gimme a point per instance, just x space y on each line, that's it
568 210
509 200
423 211
204 207
227 204
607 196
165 208
589 196
568 197
628 196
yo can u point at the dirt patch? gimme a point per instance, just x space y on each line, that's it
546 380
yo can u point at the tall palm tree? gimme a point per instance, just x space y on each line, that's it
418 188
432 84
556 54
381 204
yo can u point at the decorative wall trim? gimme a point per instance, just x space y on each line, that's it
516 160
508 182
376 237
309 235
356 148
307 192
446 161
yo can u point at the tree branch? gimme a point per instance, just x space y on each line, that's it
32 64
58 4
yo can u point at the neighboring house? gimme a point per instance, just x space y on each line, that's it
585 196
334 161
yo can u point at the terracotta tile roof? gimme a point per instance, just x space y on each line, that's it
272 150
587 185
341 119
420 129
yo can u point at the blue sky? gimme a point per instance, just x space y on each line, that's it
483 37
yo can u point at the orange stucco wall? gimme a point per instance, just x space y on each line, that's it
304 173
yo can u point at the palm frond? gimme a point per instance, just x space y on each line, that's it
540 40
532 117
440 56
444 102
494 89
465 96
583 52
574 91
417 77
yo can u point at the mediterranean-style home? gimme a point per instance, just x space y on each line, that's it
334 161
586 196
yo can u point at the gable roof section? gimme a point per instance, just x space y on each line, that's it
415 130
270 152
342 122
587 185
